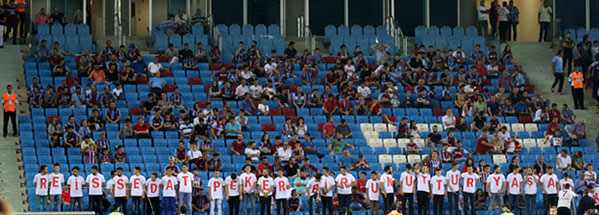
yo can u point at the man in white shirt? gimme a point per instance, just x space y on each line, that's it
155 67
269 66
503 25
364 90
284 152
564 203
327 184
233 189
194 153
589 176
56 181
439 191
283 192
312 192
119 190
41 188
185 180
169 192
75 185
387 183
373 191
530 190
241 90
407 188
483 27
256 90
248 182
453 187
265 187
216 184
153 192
95 183
137 183
564 161
549 184
496 185
344 183
469 180
514 190
449 121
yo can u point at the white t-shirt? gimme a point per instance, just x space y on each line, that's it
564 162
496 181
447 119
263 108
530 186
95 183
514 181
565 198
424 180
590 176
503 12
374 192
596 195
438 183
241 90
504 136
407 182
266 184
153 187
549 182
326 183
194 154
345 181
364 91
168 186
563 182
248 181
255 90
120 185
269 68
216 188
250 151
41 181
185 182
281 184
232 186
469 182
453 180
313 186
482 16
137 183
56 181
285 155
109 184
349 69
154 67
76 185
387 180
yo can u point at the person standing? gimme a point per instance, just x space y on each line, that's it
584 52
248 180
513 21
406 189
2 24
41 188
545 14
576 80
327 186
494 18
265 187
387 183
313 193
549 184
439 191
120 193
216 184
282 193
95 183
169 193
373 190
495 186
56 181
453 188
483 26
9 100
153 194
75 185
21 5
12 21
504 22
185 179
530 191
558 71
568 46
594 76
514 183
469 181
232 193
344 183
564 203
423 189
137 182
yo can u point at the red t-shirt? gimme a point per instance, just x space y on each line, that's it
552 126
142 128
329 129
376 108
479 146
361 185
238 146
329 105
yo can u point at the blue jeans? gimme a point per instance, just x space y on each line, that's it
544 31
531 204
185 199
76 201
55 202
136 203
496 199
41 201
513 201
249 199
168 205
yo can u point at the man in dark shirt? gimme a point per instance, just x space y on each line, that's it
149 104
434 137
291 169
290 51
185 52
57 16
568 51
2 24
200 202
540 167
200 130
12 21
584 52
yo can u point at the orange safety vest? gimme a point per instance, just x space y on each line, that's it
9 102
21 9
576 80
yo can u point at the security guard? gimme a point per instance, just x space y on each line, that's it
576 80
9 101
21 6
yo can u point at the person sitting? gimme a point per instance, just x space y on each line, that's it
578 131
141 129
357 201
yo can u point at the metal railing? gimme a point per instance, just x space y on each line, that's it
300 24
400 41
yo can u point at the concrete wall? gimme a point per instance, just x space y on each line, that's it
293 10
159 11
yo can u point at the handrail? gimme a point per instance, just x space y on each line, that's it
300 24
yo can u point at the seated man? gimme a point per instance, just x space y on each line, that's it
347 161
337 145
578 131
141 129
157 84
412 147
